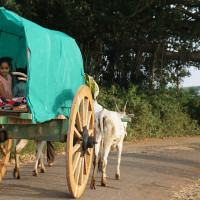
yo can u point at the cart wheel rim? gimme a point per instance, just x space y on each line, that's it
80 140
5 149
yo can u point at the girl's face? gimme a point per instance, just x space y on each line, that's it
4 69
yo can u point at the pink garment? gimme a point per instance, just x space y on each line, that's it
7 84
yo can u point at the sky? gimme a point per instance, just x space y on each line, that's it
193 80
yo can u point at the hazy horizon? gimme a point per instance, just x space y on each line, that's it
193 80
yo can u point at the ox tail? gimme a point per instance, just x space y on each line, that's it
102 121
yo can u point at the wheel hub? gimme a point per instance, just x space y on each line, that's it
87 141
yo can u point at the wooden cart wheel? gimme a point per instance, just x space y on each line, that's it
5 149
80 140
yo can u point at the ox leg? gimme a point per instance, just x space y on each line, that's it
93 182
95 163
119 151
106 151
42 170
19 145
39 156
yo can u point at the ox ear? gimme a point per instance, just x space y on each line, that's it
129 115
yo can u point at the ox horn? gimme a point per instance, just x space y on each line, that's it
116 106
124 110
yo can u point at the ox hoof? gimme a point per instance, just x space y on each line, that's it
42 170
117 176
16 174
103 183
19 176
93 184
35 173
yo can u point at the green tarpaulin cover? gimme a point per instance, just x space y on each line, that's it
55 67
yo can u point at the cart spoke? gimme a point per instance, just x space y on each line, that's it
82 111
78 121
76 147
3 150
89 118
86 111
75 162
81 171
76 133
90 131
85 164
77 173
89 151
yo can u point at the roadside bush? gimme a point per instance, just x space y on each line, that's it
191 103
159 115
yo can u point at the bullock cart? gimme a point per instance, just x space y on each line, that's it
60 104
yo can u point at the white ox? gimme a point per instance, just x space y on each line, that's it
19 145
110 132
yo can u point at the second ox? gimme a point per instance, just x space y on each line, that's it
110 133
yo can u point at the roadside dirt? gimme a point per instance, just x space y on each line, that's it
189 191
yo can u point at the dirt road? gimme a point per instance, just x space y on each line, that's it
150 170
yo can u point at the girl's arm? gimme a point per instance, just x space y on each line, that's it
3 93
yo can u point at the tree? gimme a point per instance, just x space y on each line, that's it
148 42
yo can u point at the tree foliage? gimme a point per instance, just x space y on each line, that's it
149 43
160 115
134 49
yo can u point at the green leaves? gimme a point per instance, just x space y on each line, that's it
162 114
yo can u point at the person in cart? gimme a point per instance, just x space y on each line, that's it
7 99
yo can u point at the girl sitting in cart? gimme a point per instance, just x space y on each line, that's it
7 100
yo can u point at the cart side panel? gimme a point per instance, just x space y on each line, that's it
54 130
